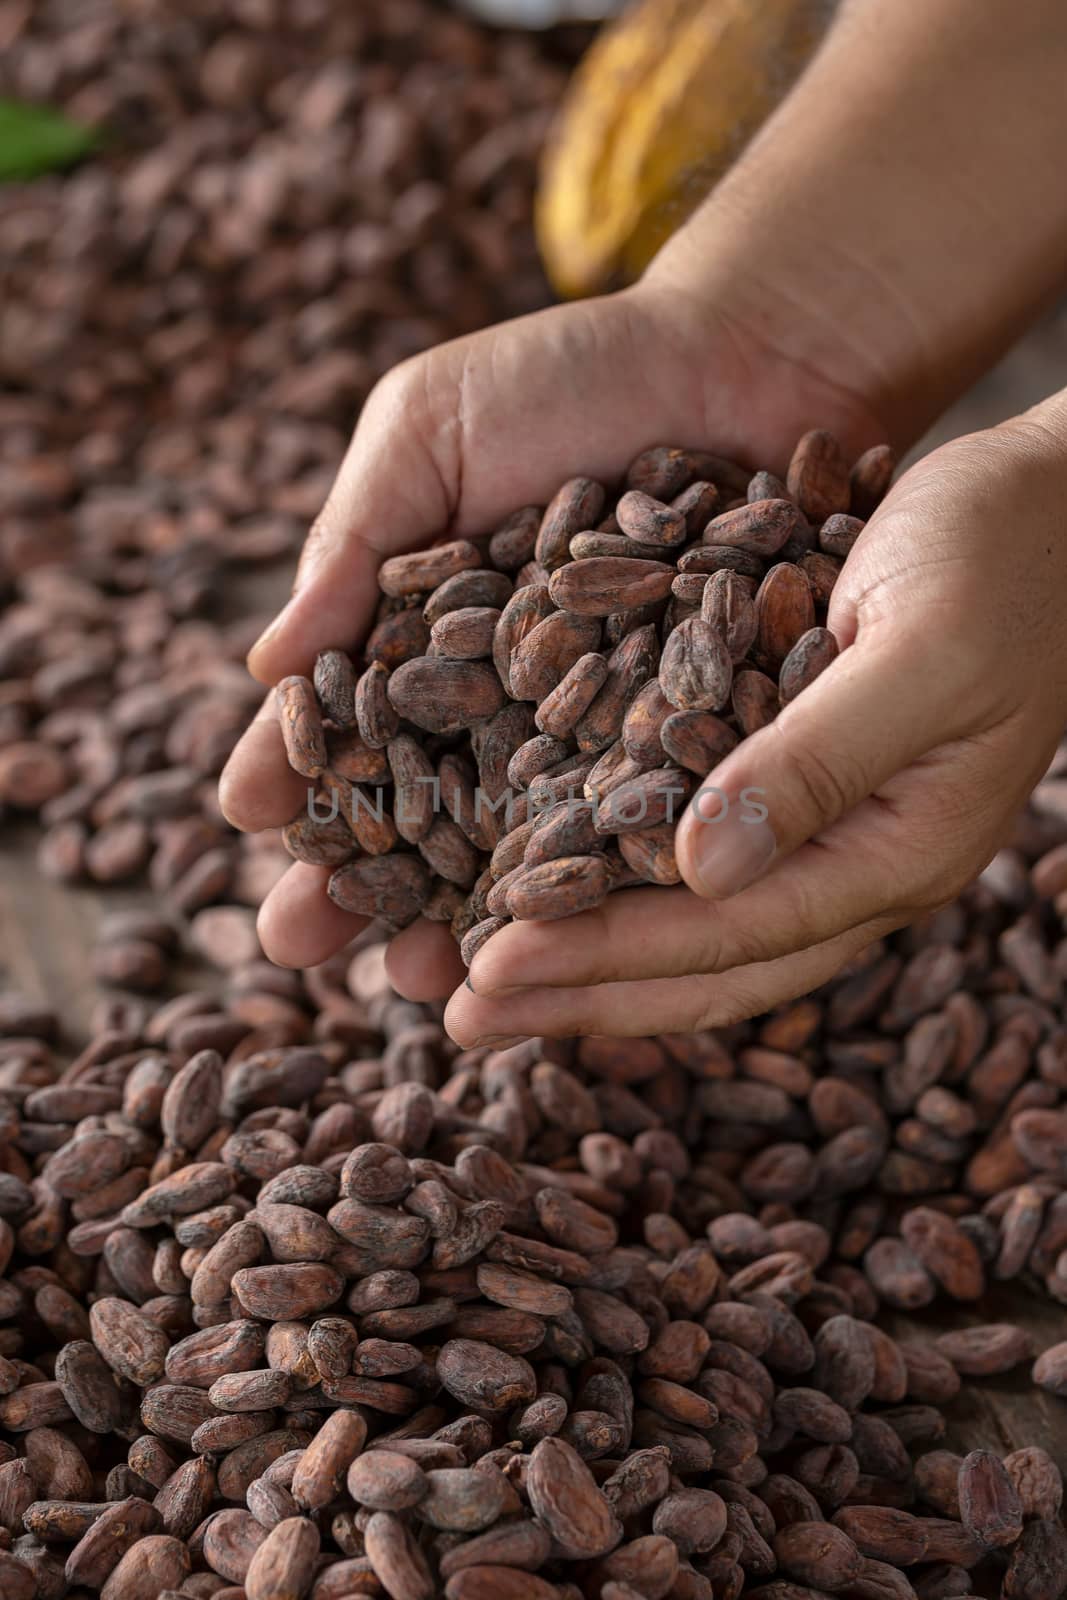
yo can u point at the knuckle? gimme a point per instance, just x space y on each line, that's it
724 950
396 389
584 1025
806 911
823 786
601 934
724 1005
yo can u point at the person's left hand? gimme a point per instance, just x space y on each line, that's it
889 782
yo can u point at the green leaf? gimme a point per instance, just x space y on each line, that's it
34 139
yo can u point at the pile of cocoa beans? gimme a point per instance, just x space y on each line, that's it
288 199
544 701
362 1314
286 1272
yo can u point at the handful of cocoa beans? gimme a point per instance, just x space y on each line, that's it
536 707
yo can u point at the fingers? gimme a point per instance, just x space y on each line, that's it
299 925
459 437
822 891
879 707
904 851
666 1005
423 962
258 789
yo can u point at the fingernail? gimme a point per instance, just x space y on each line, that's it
499 1041
730 853
468 984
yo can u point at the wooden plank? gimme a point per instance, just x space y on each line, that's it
47 933
48 930
1008 1411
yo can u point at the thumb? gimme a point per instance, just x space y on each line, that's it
395 489
455 439
878 707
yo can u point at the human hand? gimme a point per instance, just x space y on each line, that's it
889 782
453 441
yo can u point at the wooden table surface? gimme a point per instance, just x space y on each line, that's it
47 929
1007 1412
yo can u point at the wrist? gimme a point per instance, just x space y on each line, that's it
790 364
812 305
884 230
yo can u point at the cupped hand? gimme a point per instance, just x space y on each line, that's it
450 443
889 782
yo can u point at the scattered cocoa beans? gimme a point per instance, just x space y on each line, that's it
369 1314
288 201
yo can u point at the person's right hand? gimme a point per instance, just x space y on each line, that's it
451 442
887 785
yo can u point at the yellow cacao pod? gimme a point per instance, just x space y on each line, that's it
664 101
